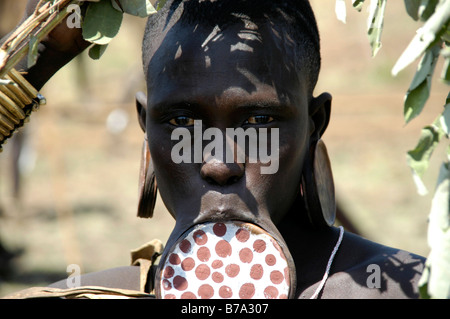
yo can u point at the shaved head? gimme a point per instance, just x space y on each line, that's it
293 26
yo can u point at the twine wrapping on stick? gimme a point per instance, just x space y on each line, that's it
18 98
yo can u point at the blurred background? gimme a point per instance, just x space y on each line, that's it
69 180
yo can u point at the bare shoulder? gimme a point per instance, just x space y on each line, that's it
126 277
365 269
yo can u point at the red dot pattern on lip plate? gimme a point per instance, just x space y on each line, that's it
174 259
225 292
225 260
203 254
185 246
223 248
246 255
256 272
219 229
232 270
202 271
200 237
187 264
247 291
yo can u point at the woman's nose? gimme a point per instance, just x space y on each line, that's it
217 172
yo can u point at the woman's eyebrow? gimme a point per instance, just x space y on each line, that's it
269 105
174 105
274 106
260 104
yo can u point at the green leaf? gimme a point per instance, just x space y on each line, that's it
436 278
412 7
445 36
101 22
445 53
97 50
418 158
160 4
425 36
139 8
32 51
445 75
375 24
444 120
426 9
423 282
357 4
415 101
419 90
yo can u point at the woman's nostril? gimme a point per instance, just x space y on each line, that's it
210 180
221 173
233 179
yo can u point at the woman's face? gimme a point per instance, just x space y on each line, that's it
222 80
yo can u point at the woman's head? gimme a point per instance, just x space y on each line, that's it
249 65
293 25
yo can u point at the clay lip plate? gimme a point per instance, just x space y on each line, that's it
224 260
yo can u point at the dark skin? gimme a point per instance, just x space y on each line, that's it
226 191
243 81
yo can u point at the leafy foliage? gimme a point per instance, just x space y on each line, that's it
375 24
139 8
431 42
103 20
435 279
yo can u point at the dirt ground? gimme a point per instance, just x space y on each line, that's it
79 187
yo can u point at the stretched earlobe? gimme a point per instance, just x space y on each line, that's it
147 184
317 187
319 112
147 181
141 108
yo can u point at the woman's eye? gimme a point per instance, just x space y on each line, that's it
259 119
182 121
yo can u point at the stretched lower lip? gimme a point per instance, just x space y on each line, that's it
224 215
216 206
224 260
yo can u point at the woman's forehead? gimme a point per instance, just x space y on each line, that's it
215 59
197 43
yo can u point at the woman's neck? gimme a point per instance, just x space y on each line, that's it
310 248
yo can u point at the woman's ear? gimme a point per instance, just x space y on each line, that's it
319 114
141 107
